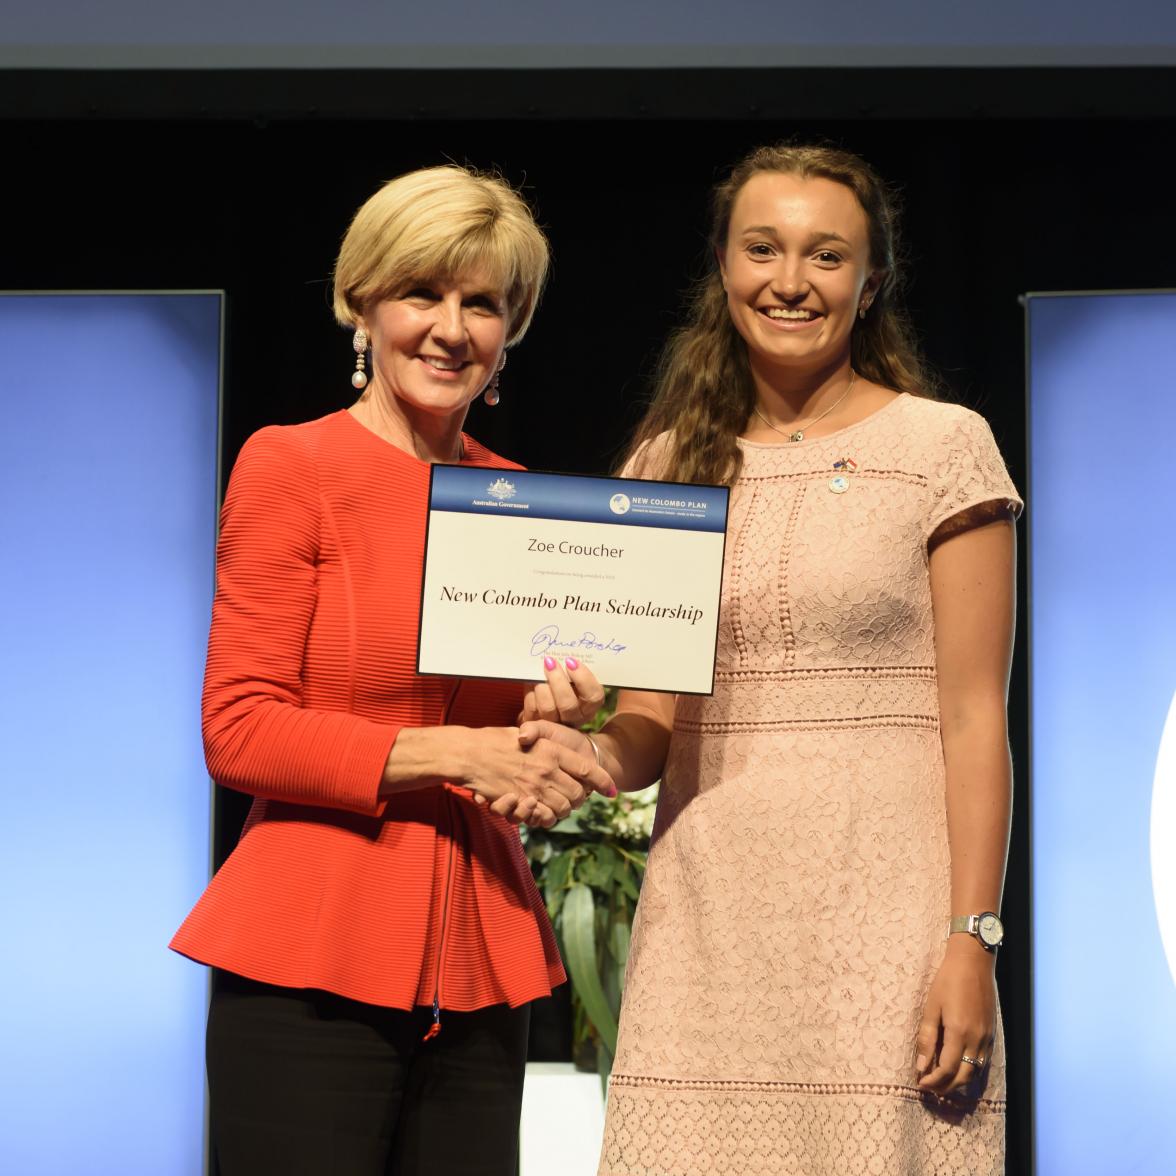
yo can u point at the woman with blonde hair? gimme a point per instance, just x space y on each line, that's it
795 1004
379 931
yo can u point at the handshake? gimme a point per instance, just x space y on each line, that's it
538 773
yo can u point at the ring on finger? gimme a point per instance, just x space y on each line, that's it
977 1061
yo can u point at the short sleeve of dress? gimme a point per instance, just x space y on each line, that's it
968 480
648 460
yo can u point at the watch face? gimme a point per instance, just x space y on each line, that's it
990 930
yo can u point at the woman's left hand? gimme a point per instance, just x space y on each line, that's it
571 694
526 811
959 1019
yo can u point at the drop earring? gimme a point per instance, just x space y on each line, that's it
359 343
490 396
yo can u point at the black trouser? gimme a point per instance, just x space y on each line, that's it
306 1083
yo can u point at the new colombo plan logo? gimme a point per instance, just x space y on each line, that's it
619 503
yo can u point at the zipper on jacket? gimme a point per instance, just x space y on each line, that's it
435 1027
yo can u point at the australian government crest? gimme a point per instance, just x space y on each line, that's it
501 489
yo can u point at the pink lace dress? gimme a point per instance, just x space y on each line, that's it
797 897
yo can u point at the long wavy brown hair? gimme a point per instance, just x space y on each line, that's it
703 389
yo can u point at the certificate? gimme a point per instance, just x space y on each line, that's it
622 574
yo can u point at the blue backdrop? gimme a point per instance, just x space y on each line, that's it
1103 671
108 471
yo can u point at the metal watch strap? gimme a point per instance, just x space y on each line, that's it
967 924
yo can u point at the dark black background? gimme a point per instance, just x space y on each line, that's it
1013 181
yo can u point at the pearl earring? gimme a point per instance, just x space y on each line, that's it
359 343
490 396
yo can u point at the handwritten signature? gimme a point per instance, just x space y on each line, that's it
548 638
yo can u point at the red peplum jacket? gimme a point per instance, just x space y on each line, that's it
422 899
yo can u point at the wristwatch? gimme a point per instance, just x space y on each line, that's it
986 926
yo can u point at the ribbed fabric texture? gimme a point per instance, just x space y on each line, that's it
310 677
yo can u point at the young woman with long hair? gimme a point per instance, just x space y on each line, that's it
811 987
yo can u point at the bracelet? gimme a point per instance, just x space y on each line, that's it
595 750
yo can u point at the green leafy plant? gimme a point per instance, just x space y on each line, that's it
589 869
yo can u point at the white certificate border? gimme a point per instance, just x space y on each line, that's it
433 466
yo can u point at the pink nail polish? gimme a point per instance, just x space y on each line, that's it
549 663
571 663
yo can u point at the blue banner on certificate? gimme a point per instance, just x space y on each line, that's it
624 575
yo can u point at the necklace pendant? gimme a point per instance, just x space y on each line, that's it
797 436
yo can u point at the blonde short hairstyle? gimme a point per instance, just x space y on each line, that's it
442 222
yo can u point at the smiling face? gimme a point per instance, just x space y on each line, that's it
437 344
796 268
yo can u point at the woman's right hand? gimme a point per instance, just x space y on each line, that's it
537 781
570 694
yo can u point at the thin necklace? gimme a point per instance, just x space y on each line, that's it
798 434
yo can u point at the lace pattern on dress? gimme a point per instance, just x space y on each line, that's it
974 516
664 1128
794 908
